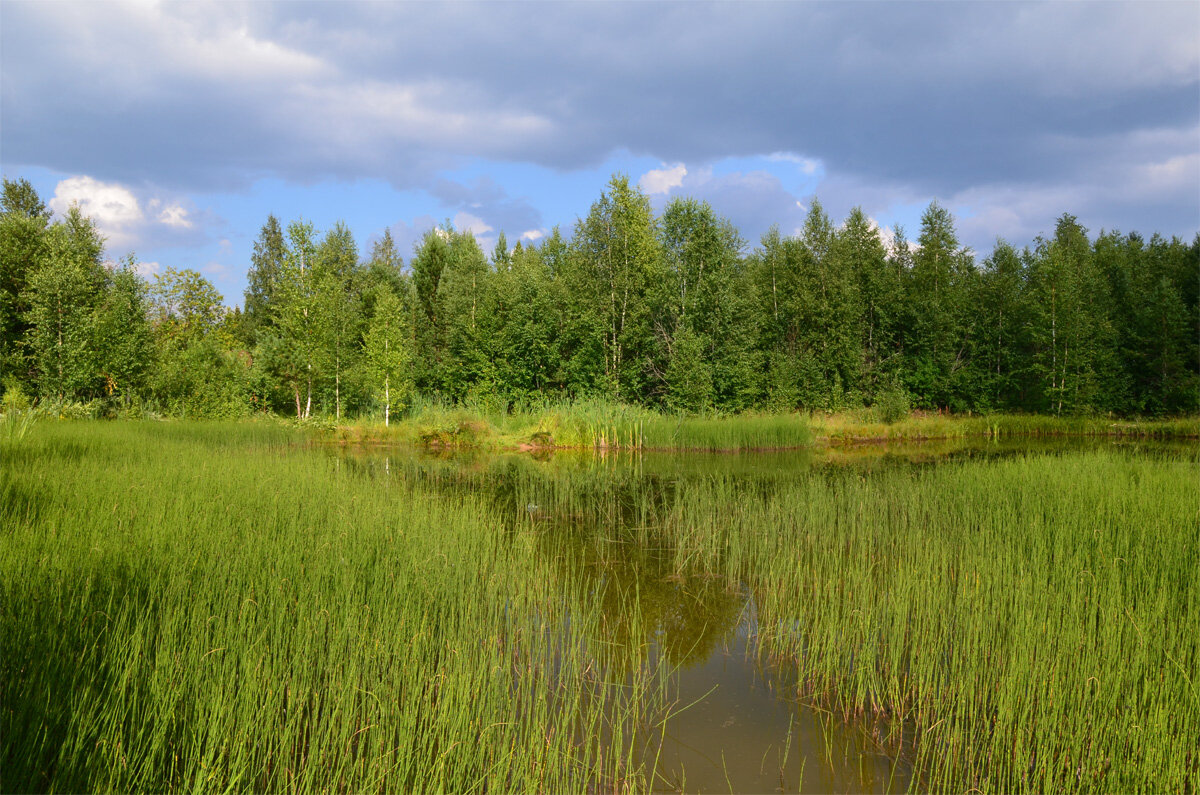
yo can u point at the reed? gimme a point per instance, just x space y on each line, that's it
215 607
227 606
1024 622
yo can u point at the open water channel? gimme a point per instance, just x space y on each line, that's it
740 721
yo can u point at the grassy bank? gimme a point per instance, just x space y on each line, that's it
597 425
588 425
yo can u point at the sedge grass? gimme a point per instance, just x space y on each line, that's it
212 607
594 424
1026 622
208 608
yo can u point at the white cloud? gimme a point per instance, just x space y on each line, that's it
175 215
122 218
533 235
466 222
661 180
112 206
148 270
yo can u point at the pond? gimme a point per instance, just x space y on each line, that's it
188 606
761 709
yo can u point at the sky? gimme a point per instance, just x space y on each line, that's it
179 127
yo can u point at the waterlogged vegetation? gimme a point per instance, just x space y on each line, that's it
600 425
586 424
230 606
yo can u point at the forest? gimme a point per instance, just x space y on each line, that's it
675 312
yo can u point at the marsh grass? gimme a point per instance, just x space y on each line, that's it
226 607
595 424
1025 622
867 425
214 608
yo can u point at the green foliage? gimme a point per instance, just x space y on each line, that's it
665 312
388 353
15 399
23 230
266 268
185 305
689 374
200 372
62 296
617 262
892 404
123 334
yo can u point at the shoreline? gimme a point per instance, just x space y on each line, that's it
473 432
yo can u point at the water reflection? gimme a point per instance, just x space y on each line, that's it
610 522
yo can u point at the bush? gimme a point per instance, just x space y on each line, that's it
15 400
892 404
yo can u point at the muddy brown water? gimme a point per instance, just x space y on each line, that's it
738 724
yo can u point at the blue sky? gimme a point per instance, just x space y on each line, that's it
181 126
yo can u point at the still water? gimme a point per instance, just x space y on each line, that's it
740 722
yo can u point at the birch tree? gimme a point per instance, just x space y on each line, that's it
388 351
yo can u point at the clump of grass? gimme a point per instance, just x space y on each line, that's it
727 434
15 426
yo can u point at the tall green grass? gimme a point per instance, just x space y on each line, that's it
584 425
866 425
15 426
1018 623
222 607
211 608
1025 624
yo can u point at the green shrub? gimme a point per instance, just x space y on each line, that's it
15 400
892 404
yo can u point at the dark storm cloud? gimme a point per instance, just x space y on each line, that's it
939 99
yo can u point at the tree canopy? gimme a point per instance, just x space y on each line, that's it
672 310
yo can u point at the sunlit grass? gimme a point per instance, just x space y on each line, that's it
213 608
226 607
598 424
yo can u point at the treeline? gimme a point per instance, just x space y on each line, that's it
671 311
